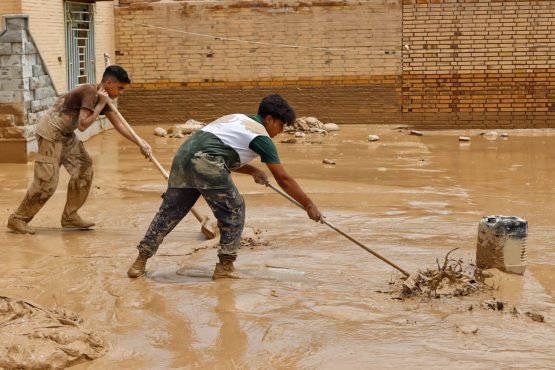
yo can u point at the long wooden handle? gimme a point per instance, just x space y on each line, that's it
292 200
151 156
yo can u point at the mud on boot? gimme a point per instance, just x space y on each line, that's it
138 267
19 226
225 270
76 222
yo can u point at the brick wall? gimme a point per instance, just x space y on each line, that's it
10 7
479 63
355 80
471 63
105 35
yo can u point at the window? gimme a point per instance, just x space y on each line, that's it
79 43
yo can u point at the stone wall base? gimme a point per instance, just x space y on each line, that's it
22 150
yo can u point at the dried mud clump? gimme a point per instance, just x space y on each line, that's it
33 337
451 279
180 131
305 129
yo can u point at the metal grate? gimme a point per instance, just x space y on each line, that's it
80 43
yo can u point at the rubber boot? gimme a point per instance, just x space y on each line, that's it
76 222
225 270
19 226
138 267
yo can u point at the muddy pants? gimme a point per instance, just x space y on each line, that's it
227 205
69 152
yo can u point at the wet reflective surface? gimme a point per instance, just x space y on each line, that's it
310 299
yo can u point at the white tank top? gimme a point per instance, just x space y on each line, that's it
237 131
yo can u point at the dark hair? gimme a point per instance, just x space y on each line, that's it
275 106
117 72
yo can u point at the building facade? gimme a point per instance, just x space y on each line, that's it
424 63
47 47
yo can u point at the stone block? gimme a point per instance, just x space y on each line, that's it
26 71
44 92
38 70
38 82
18 48
40 105
30 47
7 97
10 60
5 48
21 96
34 118
29 59
7 120
5 72
13 36
14 84
17 23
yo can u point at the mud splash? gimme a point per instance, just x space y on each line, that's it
33 337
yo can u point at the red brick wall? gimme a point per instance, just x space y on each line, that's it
368 102
479 63
354 80
427 63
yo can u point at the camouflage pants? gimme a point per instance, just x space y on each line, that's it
227 205
69 152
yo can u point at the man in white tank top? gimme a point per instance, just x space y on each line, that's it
202 166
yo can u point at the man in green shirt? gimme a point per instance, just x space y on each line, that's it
202 166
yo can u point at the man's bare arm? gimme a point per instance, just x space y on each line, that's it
291 187
87 118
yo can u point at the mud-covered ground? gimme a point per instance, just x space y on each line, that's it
311 298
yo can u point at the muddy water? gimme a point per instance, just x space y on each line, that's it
310 299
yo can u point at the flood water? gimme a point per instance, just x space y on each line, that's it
310 299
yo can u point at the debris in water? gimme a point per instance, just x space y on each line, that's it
464 138
331 127
373 138
34 337
159 131
417 133
252 238
535 316
490 135
289 141
493 304
328 161
312 125
449 279
467 329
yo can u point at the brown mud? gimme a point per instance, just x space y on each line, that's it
37 338
311 299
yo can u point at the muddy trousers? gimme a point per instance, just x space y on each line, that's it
227 205
69 152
